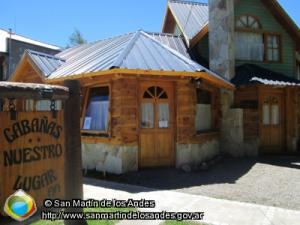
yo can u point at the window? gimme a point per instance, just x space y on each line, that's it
41 105
97 110
247 22
155 98
249 46
271 112
252 44
29 105
272 48
204 111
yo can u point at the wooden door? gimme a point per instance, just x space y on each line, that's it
156 124
272 123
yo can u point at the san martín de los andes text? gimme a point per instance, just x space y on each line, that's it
104 203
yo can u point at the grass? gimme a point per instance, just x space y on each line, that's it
90 222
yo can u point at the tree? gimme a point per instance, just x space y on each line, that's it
76 38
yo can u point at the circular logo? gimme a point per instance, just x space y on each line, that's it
20 206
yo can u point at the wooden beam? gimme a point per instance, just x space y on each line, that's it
32 91
199 36
218 81
73 162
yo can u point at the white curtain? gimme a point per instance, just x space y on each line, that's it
266 114
29 105
249 46
163 115
275 114
147 115
97 115
44 105
203 117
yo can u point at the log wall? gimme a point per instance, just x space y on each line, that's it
186 113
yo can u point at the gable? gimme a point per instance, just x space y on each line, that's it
29 68
189 16
269 24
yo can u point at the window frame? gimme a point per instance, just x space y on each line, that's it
34 103
265 35
213 95
248 28
298 69
106 133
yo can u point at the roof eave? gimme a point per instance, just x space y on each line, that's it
158 73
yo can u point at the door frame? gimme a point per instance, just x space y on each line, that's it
157 82
277 91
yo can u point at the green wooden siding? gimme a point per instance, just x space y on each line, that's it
202 47
270 24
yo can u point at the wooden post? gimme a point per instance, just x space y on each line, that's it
73 163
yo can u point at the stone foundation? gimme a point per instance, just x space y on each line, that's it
109 158
232 135
194 154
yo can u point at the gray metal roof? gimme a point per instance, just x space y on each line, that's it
45 62
191 17
172 41
138 50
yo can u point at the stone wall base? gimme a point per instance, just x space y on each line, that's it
232 135
110 158
194 154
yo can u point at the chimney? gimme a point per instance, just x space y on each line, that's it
221 37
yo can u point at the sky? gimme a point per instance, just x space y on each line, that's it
53 21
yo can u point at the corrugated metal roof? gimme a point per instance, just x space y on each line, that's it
138 50
45 62
191 17
173 41
252 74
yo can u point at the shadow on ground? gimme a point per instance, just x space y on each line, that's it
228 171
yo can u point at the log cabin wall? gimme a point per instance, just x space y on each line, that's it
118 151
248 99
192 148
292 120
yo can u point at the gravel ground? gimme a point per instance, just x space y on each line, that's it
271 181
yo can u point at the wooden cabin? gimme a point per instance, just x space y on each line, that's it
254 44
270 103
144 103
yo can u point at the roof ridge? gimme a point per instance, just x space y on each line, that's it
174 52
93 42
163 33
126 50
188 2
44 54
